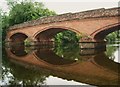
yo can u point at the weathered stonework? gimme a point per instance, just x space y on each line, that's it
92 45
93 25
70 16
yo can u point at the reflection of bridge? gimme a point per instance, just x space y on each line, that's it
96 70
93 25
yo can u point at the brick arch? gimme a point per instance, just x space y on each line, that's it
53 28
18 37
101 33
18 33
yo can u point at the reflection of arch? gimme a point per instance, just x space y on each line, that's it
18 37
11 54
95 73
101 33
18 51
49 57
107 63
50 32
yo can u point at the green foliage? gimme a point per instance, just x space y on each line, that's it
67 37
112 37
5 25
12 3
68 51
27 42
110 51
0 26
26 11
29 76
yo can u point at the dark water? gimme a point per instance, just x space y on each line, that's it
60 65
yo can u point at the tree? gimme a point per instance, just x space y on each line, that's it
5 25
67 37
0 26
111 37
26 11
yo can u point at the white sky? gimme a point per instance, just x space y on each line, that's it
65 6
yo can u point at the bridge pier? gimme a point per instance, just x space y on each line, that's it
92 45
85 52
43 42
88 42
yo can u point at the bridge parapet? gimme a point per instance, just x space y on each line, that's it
70 16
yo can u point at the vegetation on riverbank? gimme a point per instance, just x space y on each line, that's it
114 36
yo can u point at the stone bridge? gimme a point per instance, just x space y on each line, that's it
93 25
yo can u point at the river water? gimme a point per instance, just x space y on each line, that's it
60 65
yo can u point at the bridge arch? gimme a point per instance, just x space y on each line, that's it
49 32
18 37
101 33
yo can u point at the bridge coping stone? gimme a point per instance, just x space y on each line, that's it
96 13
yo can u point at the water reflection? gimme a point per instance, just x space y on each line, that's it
111 51
18 50
38 64
49 56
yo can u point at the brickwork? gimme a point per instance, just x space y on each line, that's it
71 16
93 25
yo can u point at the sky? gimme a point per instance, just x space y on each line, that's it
66 6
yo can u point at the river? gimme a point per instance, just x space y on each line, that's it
60 65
